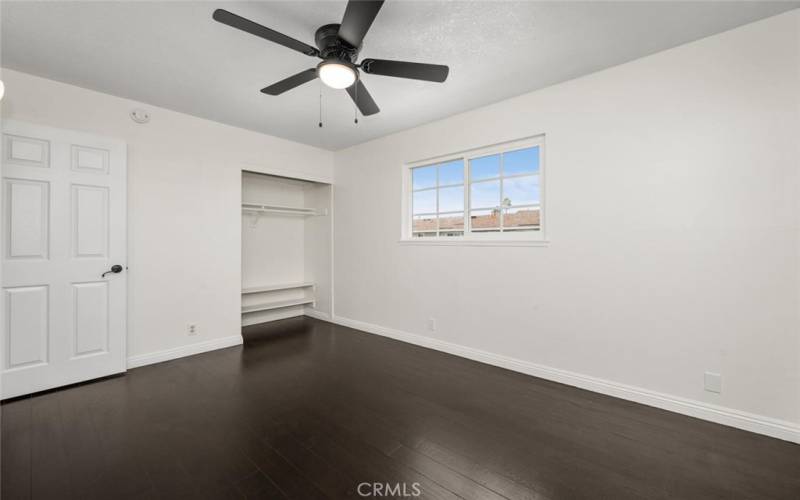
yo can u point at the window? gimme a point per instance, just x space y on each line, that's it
437 199
491 193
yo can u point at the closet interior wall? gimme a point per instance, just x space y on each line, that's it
286 248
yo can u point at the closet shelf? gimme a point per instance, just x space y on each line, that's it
275 288
280 209
276 305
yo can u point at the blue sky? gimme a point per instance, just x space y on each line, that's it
520 190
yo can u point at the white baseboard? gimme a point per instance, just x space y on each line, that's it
759 424
317 314
182 351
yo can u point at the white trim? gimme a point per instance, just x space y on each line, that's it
758 424
313 313
286 173
183 351
456 241
331 295
497 146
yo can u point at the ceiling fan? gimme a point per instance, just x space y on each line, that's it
338 46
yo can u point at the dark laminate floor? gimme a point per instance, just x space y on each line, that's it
309 410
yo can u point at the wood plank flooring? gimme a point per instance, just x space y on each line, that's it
310 410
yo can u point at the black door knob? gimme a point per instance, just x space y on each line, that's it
116 268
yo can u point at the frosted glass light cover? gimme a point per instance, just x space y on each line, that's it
337 76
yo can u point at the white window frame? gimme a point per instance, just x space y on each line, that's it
507 237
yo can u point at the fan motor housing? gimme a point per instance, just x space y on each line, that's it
332 47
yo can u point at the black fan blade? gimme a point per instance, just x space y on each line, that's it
238 22
358 17
403 69
363 100
291 82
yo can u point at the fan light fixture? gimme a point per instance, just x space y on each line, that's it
338 45
336 74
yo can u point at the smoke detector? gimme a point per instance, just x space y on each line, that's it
140 116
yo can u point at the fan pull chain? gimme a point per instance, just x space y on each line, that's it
320 106
355 103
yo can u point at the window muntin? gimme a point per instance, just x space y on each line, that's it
497 191
437 199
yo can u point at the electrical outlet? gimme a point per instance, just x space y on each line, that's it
713 382
191 329
432 324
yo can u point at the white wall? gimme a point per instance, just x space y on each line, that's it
184 195
672 211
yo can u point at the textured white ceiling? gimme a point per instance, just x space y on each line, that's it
172 54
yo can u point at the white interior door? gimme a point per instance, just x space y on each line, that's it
63 226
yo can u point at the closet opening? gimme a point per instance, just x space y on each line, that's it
286 248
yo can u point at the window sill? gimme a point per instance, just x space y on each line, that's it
474 242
